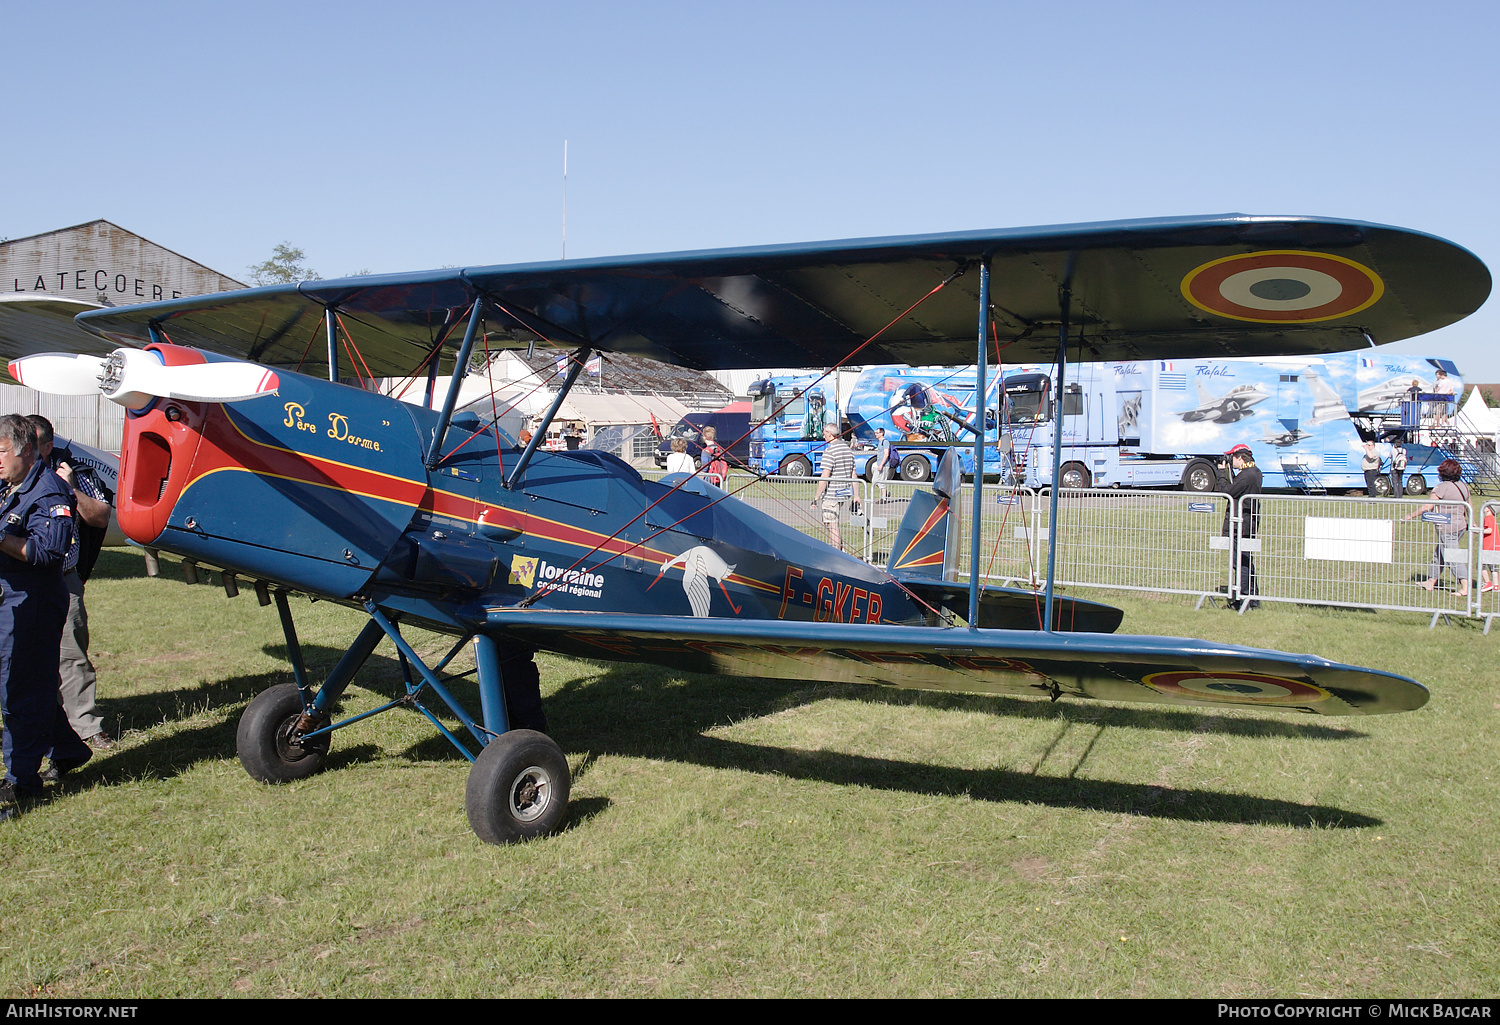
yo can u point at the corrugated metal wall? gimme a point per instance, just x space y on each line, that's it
101 262
90 419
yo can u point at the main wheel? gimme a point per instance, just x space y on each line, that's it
1075 475
267 743
796 466
518 788
916 469
1382 486
1199 476
1416 484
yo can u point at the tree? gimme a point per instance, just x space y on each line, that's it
284 266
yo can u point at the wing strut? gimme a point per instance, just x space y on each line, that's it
329 323
976 532
454 385
1065 305
579 359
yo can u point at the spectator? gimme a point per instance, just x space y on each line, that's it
37 518
1370 463
91 506
713 458
1443 409
836 487
1453 503
679 461
1244 481
880 466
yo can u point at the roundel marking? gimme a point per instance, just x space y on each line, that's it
1241 688
1282 286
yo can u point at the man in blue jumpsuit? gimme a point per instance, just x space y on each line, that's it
36 530
90 522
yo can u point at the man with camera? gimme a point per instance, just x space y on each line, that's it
1239 477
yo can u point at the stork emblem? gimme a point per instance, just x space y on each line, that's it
698 565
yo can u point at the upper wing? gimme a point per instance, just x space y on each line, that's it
1165 288
1110 667
31 323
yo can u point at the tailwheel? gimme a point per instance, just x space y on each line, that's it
518 788
268 740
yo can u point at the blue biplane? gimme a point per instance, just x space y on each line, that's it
243 452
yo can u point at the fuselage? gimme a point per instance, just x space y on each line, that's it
322 488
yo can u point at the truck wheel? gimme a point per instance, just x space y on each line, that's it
916 469
1075 475
1198 476
796 466
1382 486
1416 484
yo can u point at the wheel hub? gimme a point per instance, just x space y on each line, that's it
531 793
289 740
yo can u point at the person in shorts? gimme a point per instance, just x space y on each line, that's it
836 488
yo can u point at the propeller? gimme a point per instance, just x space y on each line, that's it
134 377
58 373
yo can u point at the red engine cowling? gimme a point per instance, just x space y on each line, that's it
157 453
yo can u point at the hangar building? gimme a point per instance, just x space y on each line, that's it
46 278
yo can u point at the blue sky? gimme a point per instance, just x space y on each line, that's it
401 136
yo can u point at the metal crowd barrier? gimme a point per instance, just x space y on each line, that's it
1361 553
1352 552
1162 541
1487 603
1010 552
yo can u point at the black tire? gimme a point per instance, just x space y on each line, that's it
518 788
1383 486
1074 475
796 466
916 468
1416 484
1199 477
264 738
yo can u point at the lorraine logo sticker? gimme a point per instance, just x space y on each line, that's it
523 571
1240 688
1283 286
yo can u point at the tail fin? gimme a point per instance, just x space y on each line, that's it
922 538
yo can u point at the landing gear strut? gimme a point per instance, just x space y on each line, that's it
518 786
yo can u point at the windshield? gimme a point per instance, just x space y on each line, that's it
1027 398
763 405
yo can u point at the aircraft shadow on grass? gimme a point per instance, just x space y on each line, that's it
649 713
645 713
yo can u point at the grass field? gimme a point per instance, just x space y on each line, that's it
781 838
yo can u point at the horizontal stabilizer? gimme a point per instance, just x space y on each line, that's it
1161 670
1008 608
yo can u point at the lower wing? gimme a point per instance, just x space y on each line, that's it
1162 670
